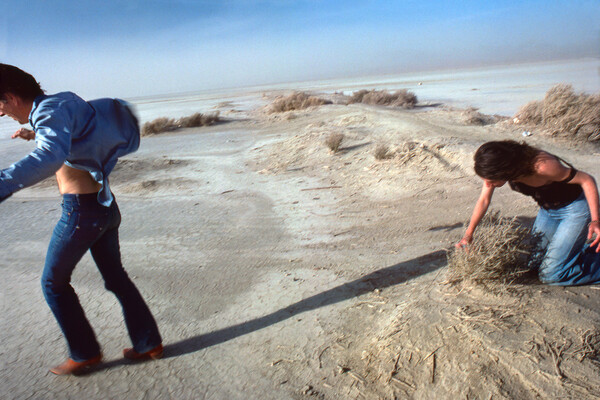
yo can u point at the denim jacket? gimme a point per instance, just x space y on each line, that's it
85 135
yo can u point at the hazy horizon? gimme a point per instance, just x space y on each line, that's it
144 48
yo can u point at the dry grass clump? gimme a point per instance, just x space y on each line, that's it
382 152
400 98
198 119
564 113
164 124
472 116
503 251
296 101
158 125
334 141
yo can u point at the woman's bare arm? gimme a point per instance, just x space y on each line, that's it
479 211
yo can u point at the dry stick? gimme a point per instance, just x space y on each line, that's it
280 361
401 382
319 188
432 353
341 233
356 377
555 359
320 355
433 369
394 369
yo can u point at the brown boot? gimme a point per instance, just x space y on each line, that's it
154 354
73 367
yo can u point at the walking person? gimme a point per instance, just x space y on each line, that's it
569 215
80 143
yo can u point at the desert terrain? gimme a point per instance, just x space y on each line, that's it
278 269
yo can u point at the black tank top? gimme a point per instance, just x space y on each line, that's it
553 195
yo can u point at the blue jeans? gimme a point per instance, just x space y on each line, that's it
87 225
568 260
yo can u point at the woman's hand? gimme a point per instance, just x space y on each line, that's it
594 228
23 133
467 239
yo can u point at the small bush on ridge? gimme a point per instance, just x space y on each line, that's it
400 98
164 124
296 101
382 152
334 141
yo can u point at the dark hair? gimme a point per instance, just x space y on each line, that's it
18 82
505 160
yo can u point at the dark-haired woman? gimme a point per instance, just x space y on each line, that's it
569 210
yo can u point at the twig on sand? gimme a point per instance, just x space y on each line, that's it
556 357
432 353
369 303
322 187
433 369
356 377
394 369
341 233
280 361
228 191
401 382
321 355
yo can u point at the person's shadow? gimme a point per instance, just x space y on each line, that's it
379 279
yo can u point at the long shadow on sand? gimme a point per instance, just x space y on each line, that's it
382 278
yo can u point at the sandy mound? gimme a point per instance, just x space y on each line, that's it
419 155
416 336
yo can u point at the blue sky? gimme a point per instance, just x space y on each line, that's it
132 47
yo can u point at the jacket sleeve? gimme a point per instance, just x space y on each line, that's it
53 142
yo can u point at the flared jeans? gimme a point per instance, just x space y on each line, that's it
87 225
568 259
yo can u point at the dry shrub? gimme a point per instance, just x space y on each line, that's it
503 251
563 112
472 116
530 113
400 98
198 119
334 141
296 101
158 125
164 124
382 152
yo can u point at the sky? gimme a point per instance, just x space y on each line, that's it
131 48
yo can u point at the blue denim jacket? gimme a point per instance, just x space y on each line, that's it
85 135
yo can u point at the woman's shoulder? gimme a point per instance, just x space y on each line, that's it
551 166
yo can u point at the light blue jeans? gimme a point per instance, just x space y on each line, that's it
568 260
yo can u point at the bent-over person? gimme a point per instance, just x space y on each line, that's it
80 143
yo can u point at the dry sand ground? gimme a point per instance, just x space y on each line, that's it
277 270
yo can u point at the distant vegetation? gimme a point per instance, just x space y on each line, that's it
164 124
564 113
296 101
401 98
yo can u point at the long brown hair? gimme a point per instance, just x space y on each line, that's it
505 160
